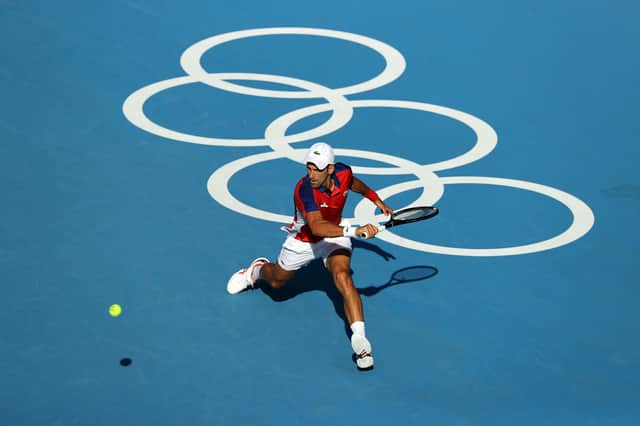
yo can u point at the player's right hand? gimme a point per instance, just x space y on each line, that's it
367 231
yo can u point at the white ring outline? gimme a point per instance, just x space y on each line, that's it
133 110
583 220
486 136
583 217
218 184
395 63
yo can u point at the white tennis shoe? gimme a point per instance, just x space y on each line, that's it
362 349
241 280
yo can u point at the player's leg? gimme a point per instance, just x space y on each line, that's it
294 255
339 264
274 274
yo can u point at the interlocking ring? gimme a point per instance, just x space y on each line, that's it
342 109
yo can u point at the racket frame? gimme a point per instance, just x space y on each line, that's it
395 222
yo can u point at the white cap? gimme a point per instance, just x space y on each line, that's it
320 154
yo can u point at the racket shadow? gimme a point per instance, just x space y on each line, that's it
406 275
315 277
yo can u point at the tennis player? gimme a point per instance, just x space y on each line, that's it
317 231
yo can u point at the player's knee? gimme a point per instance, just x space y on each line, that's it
280 279
342 278
277 283
275 276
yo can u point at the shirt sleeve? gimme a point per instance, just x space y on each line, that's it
304 198
345 175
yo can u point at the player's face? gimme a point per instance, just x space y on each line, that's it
317 177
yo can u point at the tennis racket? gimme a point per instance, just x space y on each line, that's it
408 215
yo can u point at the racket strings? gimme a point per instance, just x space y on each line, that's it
411 214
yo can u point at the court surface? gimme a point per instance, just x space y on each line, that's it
149 150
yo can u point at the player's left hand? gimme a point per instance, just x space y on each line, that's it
385 209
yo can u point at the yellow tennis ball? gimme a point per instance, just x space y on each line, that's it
115 310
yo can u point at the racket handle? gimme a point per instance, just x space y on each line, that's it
364 234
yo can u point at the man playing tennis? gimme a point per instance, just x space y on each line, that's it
316 232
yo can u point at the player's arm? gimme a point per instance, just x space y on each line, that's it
361 188
323 228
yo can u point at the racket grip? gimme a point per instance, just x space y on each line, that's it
364 234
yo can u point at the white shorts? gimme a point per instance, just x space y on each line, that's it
295 253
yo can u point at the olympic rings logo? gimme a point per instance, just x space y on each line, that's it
342 109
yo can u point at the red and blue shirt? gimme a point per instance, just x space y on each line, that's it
330 203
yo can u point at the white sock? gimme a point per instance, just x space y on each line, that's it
255 274
358 328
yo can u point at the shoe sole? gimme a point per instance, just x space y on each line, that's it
361 345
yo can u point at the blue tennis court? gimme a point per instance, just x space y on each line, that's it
150 150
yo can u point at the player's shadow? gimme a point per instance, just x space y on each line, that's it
315 277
